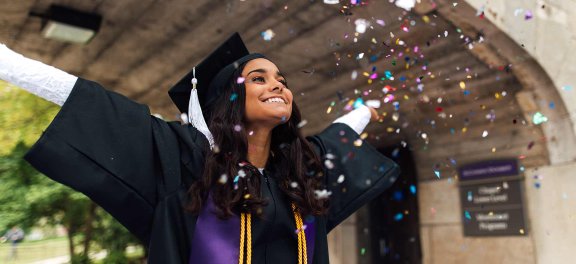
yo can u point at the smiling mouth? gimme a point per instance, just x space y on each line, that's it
274 100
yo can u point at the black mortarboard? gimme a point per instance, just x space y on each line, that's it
213 75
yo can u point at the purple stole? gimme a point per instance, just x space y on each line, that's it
218 241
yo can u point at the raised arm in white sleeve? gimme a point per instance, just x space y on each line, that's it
36 77
357 119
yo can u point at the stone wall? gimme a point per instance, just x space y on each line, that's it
441 230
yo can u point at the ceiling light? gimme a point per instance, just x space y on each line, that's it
70 25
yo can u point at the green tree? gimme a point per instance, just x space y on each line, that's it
27 196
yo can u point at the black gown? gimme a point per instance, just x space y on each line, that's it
138 168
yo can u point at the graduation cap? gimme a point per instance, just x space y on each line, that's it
196 93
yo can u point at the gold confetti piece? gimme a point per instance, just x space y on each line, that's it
358 142
364 135
462 85
497 96
493 150
390 129
406 97
426 19
374 41
521 231
464 129
329 110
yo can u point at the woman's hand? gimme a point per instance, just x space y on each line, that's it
374 114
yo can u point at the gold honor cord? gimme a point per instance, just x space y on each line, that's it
246 238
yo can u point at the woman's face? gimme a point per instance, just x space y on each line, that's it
268 100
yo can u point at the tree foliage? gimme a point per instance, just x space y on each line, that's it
27 196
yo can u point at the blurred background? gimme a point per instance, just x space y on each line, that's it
476 103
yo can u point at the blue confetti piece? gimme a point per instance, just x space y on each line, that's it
359 102
398 196
567 88
398 217
537 185
402 78
470 198
236 178
551 105
437 173
467 215
233 97
452 131
413 189
395 152
466 92
388 75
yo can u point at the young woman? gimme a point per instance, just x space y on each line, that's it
244 186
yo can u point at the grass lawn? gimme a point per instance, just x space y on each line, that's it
31 251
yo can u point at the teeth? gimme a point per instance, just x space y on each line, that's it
274 100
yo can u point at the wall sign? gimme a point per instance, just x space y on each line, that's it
491 199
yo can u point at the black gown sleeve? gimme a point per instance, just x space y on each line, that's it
366 172
106 146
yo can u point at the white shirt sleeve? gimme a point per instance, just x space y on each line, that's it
35 77
357 119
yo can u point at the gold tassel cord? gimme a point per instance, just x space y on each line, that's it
246 238
242 232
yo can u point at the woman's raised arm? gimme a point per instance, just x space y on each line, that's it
35 77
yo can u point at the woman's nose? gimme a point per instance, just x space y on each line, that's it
278 86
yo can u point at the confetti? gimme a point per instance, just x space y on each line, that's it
467 215
322 194
294 185
328 164
268 34
405 4
361 25
340 178
373 103
528 15
300 229
437 174
240 80
538 118
398 217
354 75
233 97
331 2
485 133
302 123
412 189
223 179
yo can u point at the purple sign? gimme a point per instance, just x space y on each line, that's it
489 169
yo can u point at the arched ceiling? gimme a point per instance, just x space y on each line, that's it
449 105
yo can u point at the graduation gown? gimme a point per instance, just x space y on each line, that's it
138 168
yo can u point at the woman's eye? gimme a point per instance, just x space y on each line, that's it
284 82
258 79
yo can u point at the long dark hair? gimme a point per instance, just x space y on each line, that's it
297 166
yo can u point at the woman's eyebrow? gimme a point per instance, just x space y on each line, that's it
257 70
278 73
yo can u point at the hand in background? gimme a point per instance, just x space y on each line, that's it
373 114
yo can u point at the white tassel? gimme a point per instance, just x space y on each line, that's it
195 116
